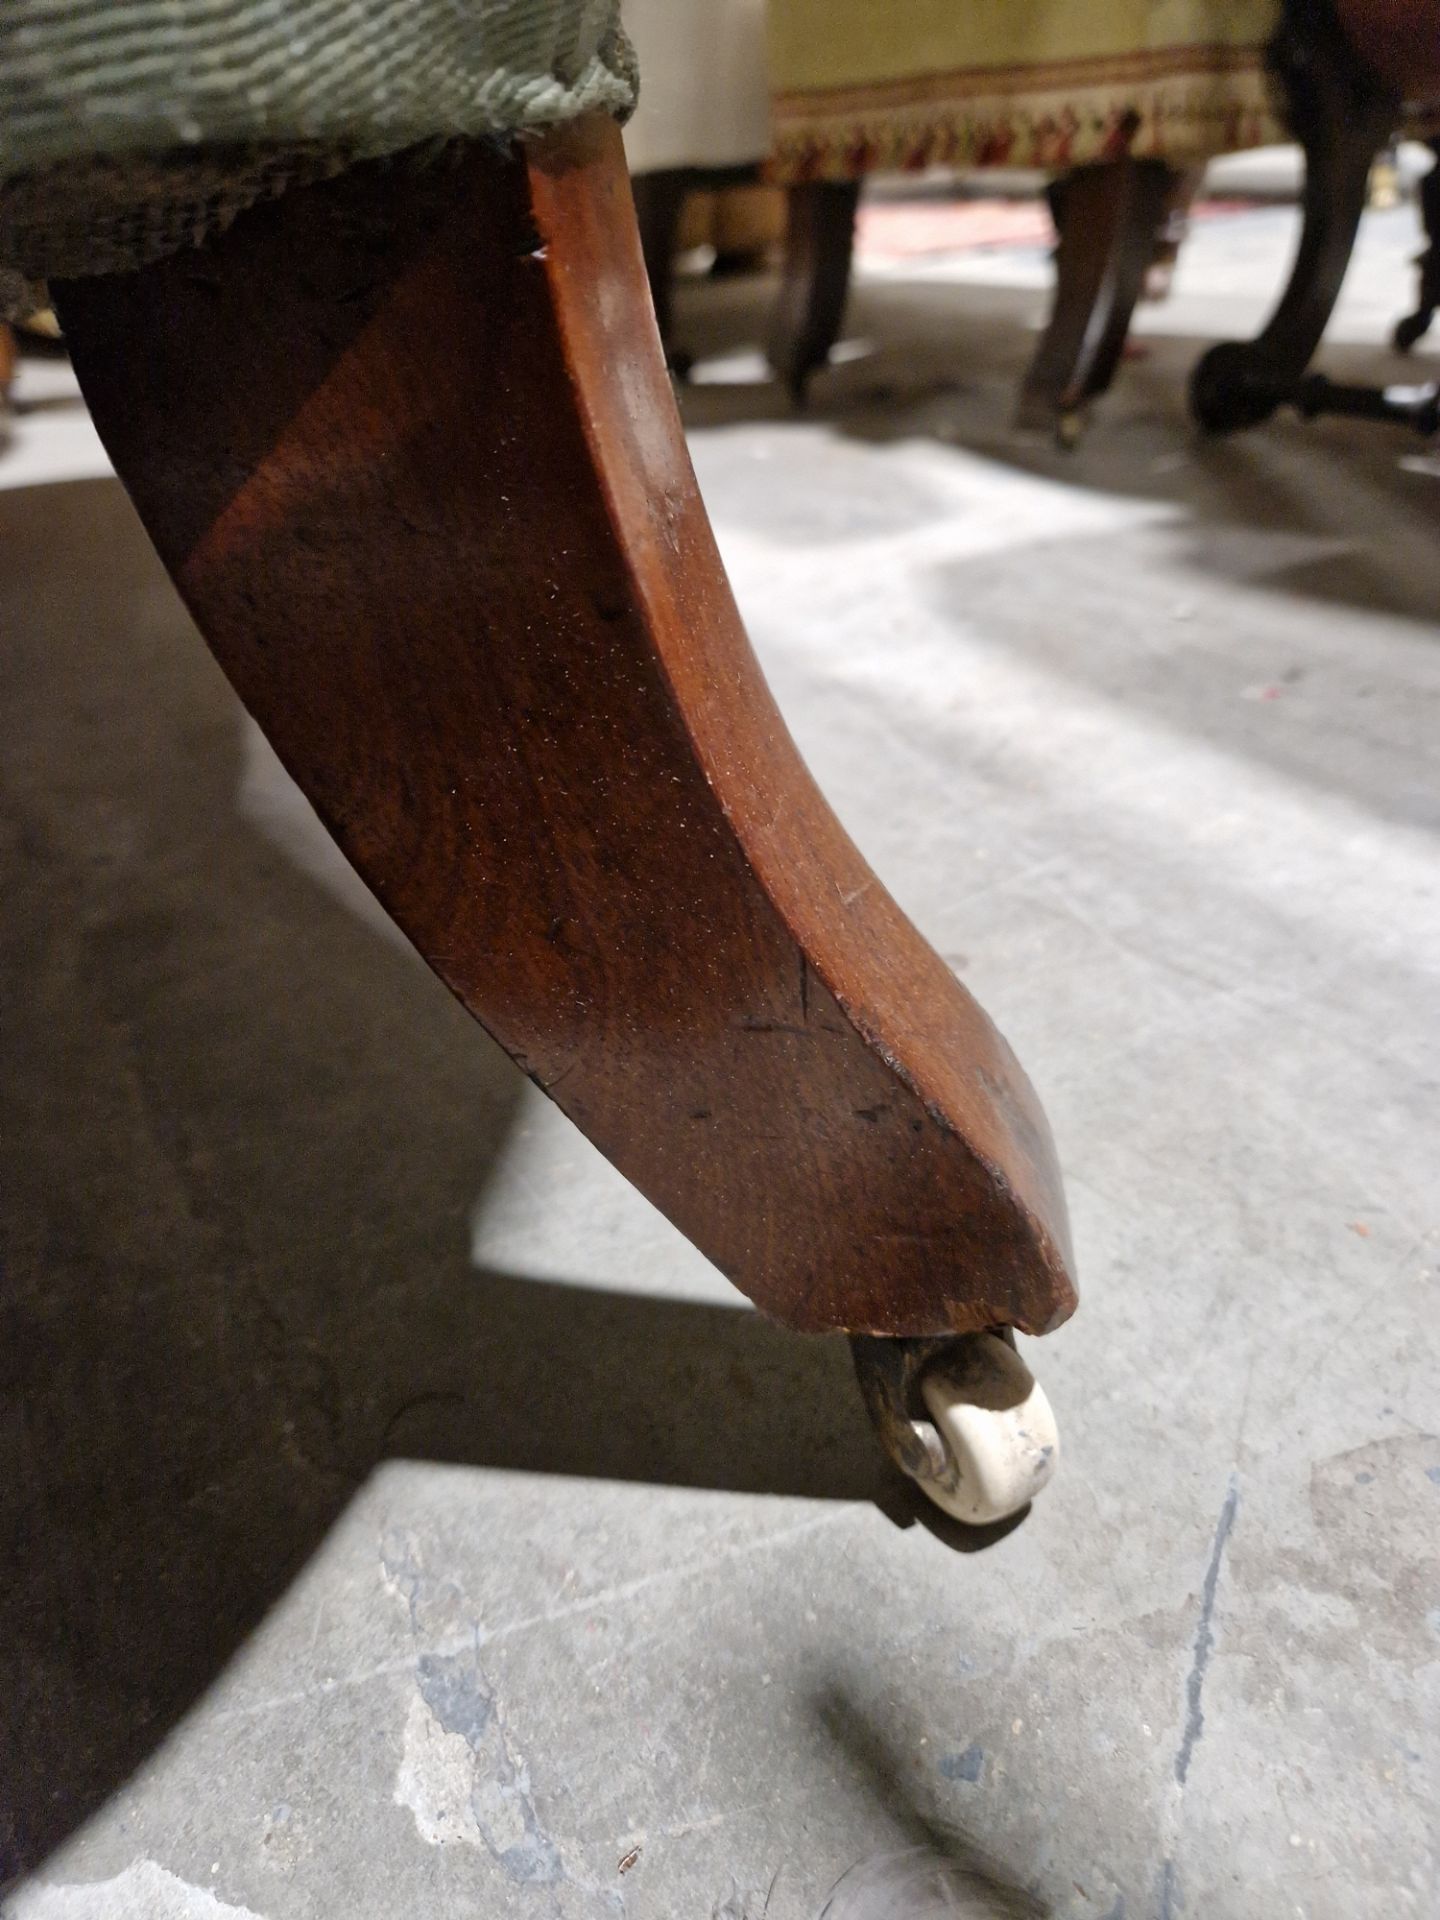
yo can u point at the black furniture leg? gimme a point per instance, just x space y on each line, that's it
659 202
1342 113
819 244
1416 324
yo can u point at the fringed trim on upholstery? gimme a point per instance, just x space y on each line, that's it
1182 105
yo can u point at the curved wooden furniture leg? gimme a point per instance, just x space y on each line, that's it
659 202
1342 113
814 280
1417 324
406 444
1108 218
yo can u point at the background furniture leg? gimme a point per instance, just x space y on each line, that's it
9 363
659 201
815 280
1342 113
1415 325
1108 218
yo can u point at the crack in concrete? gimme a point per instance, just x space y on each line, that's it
1169 1890
1204 1635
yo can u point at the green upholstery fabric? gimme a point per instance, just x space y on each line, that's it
90 77
131 127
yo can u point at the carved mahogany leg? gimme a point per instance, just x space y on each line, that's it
659 202
1108 219
814 281
1415 325
1342 113
405 443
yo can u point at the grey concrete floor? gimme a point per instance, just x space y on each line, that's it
400 1520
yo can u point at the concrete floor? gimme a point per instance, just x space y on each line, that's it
399 1520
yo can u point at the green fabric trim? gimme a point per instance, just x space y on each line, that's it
132 128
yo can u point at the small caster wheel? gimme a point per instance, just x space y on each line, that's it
996 1426
1070 429
990 1442
1231 388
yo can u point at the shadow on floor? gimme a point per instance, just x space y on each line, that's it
1261 541
944 361
244 1134
937 1871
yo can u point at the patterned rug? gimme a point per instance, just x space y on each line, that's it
888 233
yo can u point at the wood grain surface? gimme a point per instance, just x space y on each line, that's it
406 444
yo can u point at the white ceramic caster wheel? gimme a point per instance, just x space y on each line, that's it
996 1428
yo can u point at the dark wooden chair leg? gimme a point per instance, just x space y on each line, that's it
1109 218
1417 324
1342 113
814 281
659 202
405 442
1173 231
